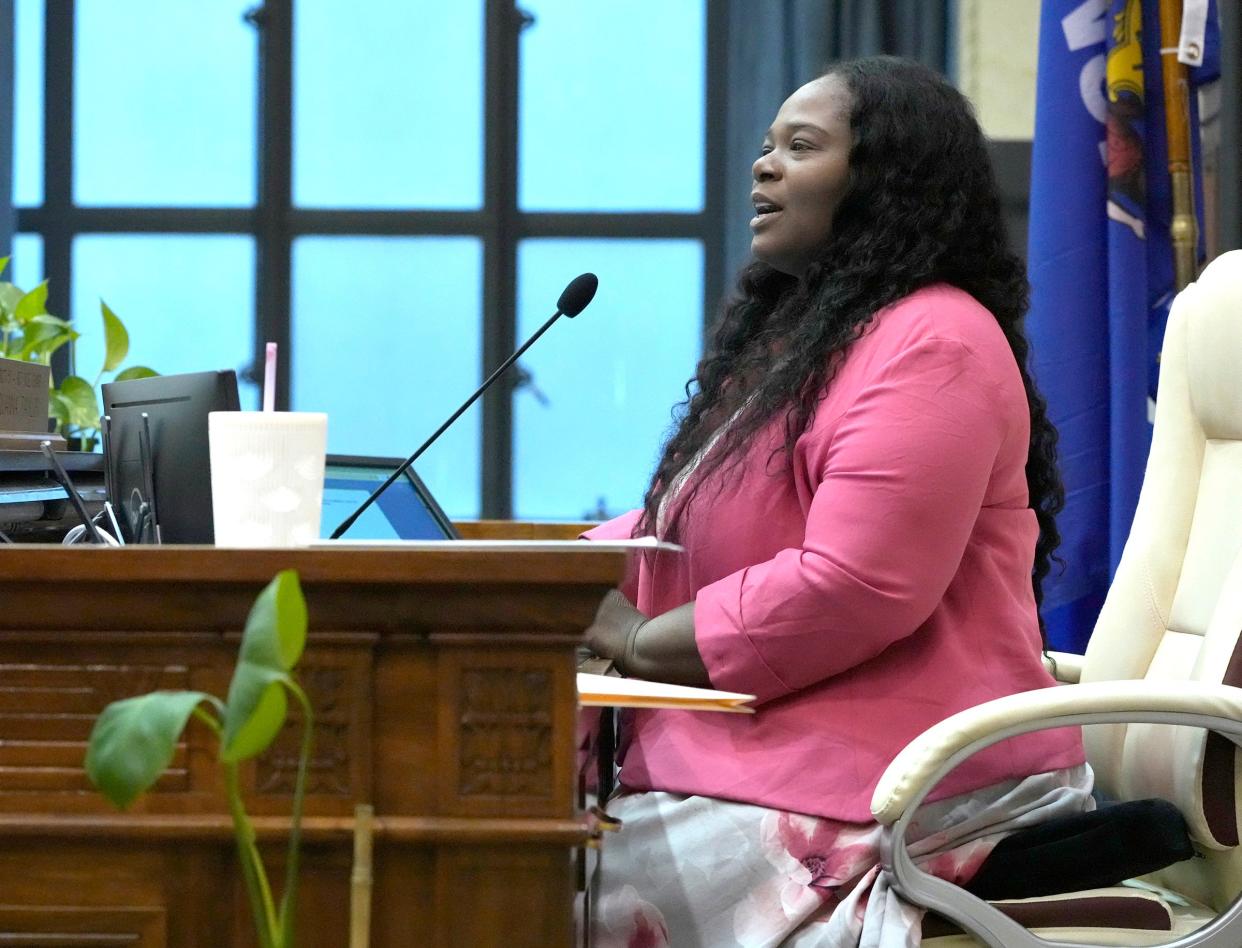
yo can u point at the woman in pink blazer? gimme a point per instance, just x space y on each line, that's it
864 483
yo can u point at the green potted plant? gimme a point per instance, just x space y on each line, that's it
133 740
29 333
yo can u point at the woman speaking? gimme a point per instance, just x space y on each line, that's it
864 482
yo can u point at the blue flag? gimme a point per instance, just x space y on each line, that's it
1102 277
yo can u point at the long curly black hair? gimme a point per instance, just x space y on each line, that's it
921 207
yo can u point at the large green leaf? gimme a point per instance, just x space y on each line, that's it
278 617
254 714
10 296
116 339
133 741
59 408
42 336
136 372
32 304
47 319
79 397
271 645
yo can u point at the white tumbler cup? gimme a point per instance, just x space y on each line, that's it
267 473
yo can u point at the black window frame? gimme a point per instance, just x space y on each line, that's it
274 222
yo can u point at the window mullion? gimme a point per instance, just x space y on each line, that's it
714 159
58 73
499 250
273 283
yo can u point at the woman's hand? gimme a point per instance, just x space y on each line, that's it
612 633
658 649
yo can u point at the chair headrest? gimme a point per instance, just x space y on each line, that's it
1214 346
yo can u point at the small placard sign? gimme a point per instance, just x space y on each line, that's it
24 404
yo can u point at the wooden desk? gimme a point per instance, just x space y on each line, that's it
443 682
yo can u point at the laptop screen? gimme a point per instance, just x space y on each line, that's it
406 511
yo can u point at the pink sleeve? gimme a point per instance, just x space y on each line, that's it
900 485
620 528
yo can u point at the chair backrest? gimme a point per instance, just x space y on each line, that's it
1174 610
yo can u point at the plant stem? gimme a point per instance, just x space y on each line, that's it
288 903
257 888
252 866
207 719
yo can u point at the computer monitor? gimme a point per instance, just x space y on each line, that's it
173 490
406 511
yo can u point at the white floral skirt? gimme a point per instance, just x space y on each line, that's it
696 872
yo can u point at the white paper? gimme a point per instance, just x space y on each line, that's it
574 546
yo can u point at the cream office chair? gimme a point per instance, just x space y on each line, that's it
1165 651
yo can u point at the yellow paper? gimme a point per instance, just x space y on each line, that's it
609 691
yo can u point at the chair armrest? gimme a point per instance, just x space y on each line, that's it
1065 667
922 762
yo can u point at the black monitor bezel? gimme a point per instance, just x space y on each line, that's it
187 462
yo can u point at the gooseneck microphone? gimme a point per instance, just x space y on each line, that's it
573 300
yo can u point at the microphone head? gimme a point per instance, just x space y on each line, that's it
579 292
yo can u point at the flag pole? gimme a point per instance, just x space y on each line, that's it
1184 229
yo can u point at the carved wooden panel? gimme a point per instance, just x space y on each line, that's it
338 685
506 732
82 926
444 682
47 712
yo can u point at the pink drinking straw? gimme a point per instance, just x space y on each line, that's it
269 378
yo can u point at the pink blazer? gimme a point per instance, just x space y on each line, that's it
879 586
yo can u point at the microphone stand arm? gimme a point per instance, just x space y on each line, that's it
349 521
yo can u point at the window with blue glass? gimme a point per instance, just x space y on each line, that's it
164 103
388 105
603 385
396 192
168 289
612 109
386 340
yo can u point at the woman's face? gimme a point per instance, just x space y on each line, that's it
801 175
